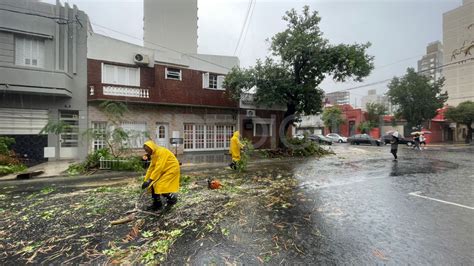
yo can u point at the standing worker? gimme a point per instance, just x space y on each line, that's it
234 149
394 145
162 177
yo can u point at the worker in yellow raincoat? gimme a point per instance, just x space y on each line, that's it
234 149
162 177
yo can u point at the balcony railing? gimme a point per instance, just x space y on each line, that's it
125 91
98 91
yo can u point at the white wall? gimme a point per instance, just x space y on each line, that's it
101 47
457 31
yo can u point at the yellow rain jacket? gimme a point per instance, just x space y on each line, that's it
235 146
164 167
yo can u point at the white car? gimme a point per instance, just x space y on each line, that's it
336 137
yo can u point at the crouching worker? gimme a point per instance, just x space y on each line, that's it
234 149
162 177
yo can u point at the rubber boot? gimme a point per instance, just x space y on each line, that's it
171 199
156 206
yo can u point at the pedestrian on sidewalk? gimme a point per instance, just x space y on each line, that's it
162 176
235 146
394 145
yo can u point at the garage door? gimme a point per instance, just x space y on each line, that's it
22 121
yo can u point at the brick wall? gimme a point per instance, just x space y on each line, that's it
187 91
173 116
263 142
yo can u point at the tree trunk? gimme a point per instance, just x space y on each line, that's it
288 119
469 134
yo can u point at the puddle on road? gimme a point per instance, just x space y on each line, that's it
333 172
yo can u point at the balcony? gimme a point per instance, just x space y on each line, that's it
118 92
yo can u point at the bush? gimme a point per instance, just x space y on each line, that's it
93 159
8 159
245 154
5 143
132 163
10 169
305 147
76 169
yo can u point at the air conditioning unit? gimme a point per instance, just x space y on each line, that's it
141 59
250 113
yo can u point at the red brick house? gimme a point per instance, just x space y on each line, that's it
171 95
353 117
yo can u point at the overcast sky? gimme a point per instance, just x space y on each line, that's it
399 30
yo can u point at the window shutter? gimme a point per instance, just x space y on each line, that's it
205 80
220 82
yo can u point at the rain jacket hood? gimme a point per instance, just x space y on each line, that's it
164 170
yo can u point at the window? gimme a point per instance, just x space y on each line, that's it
210 137
29 51
136 134
188 137
212 81
173 73
99 130
120 75
161 132
207 137
262 128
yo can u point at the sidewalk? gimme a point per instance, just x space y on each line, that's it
190 162
53 168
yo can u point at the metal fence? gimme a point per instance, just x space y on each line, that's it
118 164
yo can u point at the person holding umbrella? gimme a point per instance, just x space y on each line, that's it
417 141
394 145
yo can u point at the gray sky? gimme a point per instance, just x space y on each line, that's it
397 29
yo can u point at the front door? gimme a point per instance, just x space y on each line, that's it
162 138
69 136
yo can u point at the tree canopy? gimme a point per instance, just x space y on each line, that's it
463 114
374 111
332 118
301 59
416 97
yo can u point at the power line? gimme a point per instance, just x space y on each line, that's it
134 37
66 21
243 26
171 49
248 25
429 69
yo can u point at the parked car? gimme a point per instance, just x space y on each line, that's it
336 137
320 139
298 136
402 140
363 139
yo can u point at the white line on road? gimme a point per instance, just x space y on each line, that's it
417 194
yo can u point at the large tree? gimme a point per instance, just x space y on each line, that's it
332 118
301 59
374 111
463 114
416 97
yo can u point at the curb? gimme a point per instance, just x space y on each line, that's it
186 168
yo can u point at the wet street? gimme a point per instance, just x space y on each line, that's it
369 209
356 207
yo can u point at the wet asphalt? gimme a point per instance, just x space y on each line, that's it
372 210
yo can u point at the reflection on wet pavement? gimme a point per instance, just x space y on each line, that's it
362 207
